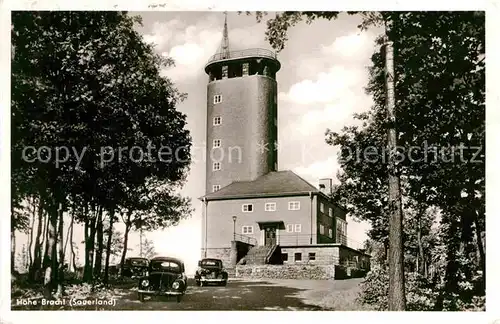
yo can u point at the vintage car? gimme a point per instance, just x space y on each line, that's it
135 267
210 271
166 277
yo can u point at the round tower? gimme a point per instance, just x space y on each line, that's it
242 115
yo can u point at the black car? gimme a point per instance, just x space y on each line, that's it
210 271
166 277
135 267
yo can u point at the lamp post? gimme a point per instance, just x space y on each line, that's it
234 228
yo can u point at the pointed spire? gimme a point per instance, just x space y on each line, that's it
224 50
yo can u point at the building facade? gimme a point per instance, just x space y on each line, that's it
251 211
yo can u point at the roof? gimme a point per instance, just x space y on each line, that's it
277 183
167 259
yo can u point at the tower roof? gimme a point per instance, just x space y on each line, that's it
224 45
224 54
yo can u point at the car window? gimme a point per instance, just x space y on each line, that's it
214 263
139 262
166 266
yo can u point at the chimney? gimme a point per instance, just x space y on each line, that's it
325 186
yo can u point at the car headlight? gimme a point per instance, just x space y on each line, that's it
145 283
176 285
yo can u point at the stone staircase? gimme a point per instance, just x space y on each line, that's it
257 255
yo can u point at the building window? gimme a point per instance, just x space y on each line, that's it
217 121
321 229
217 143
298 228
289 228
270 206
330 233
312 256
341 231
247 229
216 166
294 205
217 99
298 256
215 188
322 207
284 256
247 208
330 212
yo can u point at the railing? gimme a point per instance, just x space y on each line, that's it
270 252
294 239
259 52
245 239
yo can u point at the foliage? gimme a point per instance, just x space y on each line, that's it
440 121
147 248
419 293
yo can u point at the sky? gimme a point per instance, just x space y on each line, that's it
320 86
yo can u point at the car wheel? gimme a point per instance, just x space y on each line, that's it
197 282
141 297
179 297
224 283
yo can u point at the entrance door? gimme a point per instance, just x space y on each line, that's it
270 236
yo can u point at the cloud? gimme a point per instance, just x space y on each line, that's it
355 46
318 170
191 46
328 86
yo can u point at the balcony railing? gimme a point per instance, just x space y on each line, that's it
245 239
258 52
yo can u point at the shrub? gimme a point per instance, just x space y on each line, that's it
375 288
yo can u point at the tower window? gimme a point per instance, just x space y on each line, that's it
217 143
330 212
298 228
216 166
298 256
270 206
289 228
217 121
294 205
217 99
322 207
330 233
215 188
247 208
321 229
312 256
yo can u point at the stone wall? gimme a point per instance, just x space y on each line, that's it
292 271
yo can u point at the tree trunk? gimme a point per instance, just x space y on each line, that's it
68 235
125 239
89 247
397 300
37 262
108 246
49 258
45 236
479 243
13 251
100 245
32 229
420 246
60 288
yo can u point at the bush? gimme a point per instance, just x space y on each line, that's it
421 294
375 289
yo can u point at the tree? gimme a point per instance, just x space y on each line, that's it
439 87
87 82
148 249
